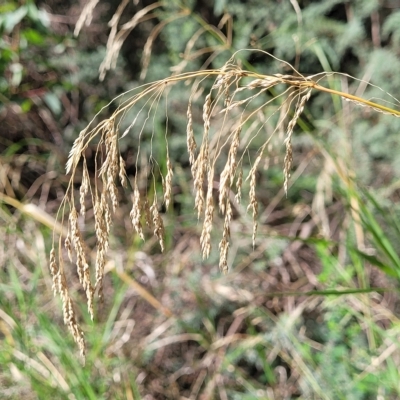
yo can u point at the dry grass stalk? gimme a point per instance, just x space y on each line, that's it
230 83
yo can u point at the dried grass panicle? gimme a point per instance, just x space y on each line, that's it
200 168
229 171
84 189
60 287
122 172
224 243
76 152
54 270
253 204
224 97
102 227
71 321
136 213
111 167
202 162
147 213
191 142
239 183
168 183
158 223
288 140
81 263
68 245
205 238
113 193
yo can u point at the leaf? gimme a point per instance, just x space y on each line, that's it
17 70
33 36
13 18
53 102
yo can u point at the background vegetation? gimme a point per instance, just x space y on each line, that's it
310 312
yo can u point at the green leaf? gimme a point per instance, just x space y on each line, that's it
26 105
7 7
33 36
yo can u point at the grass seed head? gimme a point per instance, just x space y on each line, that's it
224 243
102 228
229 170
81 263
191 143
288 140
205 239
239 183
168 183
122 172
135 213
158 223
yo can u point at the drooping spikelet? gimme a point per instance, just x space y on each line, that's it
157 223
239 183
135 213
288 140
224 243
202 162
205 239
60 287
168 183
253 203
191 142
229 170
84 189
102 228
81 263
122 172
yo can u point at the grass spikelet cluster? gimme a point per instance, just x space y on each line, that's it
231 107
